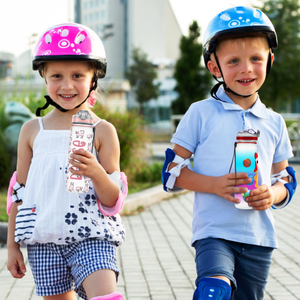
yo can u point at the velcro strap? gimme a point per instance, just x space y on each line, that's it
277 177
18 192
175 172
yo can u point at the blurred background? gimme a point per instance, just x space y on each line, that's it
154 72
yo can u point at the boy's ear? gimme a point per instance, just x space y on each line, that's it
213 68
272 58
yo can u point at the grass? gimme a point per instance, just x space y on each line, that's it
3 214
133 188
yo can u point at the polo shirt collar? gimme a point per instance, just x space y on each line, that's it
258 109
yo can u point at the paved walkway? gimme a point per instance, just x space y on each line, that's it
157 262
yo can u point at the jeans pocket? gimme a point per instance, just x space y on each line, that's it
25 223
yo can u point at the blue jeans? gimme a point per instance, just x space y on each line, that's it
247 266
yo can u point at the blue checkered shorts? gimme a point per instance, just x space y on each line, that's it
58 269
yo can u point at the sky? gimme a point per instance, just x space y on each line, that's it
19 19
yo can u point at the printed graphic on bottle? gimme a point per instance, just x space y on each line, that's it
246 161
81 137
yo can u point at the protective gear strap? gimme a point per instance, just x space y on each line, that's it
210 288
169 176
290 186
121 180
49 101
15 192
112 296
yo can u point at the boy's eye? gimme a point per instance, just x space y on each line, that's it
234 61
56 76
255 58
77 75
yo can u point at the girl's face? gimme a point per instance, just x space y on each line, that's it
68 83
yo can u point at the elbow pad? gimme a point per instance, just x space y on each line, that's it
168 177
121 180
16 195
290 186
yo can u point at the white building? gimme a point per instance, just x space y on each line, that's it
123 24
147 24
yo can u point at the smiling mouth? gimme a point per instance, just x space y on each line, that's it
67 96
246 81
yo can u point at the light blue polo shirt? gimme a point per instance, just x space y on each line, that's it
208 129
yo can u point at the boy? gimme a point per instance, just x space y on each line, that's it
233 246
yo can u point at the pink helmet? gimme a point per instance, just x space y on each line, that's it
70 41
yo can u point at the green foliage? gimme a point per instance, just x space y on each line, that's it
282 84
132 138
148 173
141 75
193 80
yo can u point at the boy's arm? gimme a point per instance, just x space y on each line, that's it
265 196
223 186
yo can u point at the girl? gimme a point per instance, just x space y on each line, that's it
71 240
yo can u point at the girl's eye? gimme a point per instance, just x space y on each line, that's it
56 76
255 58
77 76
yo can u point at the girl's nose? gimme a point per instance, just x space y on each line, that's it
67 84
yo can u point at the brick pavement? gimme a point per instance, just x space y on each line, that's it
157 262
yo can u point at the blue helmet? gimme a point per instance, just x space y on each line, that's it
238 21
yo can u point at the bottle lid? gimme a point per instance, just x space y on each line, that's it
248 135
83 117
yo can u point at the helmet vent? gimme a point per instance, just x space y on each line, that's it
257 14
79 38
225 17
65 32
240 10
48 39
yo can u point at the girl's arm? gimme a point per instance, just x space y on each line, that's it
223 186
15 263
107 143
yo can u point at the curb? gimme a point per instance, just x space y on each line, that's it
132 203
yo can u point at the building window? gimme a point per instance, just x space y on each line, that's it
103 14
97 2
91 3
86 5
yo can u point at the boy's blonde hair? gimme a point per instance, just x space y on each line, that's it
255 40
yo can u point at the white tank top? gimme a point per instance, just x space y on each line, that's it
51 214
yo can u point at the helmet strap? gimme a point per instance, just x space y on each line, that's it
49 101
226 88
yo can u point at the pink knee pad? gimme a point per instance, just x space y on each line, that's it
112 296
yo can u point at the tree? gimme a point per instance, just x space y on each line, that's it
282 85
193 80
141 75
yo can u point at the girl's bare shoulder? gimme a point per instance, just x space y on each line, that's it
30 130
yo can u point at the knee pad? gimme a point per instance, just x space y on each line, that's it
112 296
212 289
168 177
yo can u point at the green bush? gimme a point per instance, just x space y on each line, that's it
148 173
129 126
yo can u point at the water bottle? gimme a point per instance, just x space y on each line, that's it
81 137
246 159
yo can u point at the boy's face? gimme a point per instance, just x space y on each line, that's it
243 63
